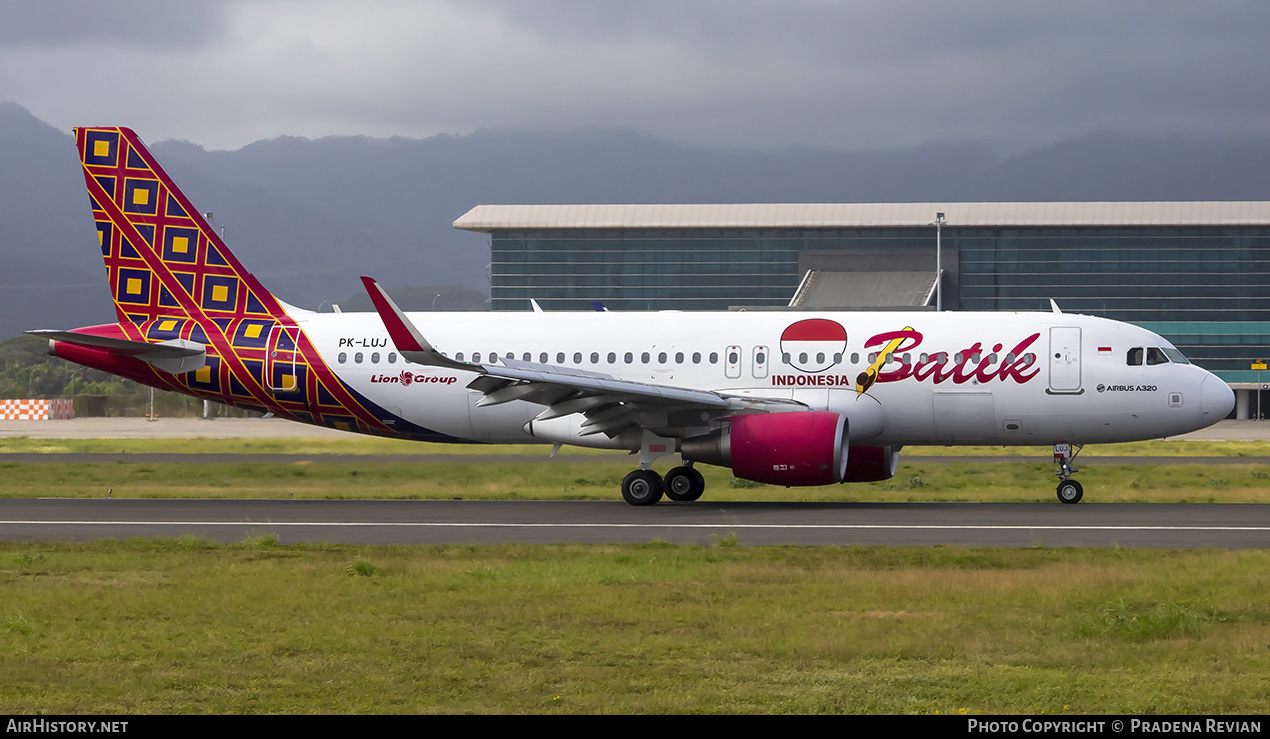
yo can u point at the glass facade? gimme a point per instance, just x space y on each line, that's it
1206 289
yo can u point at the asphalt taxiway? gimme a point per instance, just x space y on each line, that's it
1173 526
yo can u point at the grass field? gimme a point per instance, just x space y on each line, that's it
592 475
186 626
600 480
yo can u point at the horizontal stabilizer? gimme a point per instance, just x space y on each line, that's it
173 356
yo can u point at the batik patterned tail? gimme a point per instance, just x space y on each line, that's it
162 257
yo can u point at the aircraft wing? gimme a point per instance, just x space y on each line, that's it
610 405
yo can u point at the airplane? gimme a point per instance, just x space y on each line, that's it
784 398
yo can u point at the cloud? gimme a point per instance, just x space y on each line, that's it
737 74
152 24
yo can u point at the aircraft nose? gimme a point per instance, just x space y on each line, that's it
1216 399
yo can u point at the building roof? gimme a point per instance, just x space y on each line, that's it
488 218
822 289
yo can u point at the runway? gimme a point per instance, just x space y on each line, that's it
1180 526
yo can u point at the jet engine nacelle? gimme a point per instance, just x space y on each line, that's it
871 463
802 448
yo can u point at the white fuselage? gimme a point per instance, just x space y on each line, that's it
1008 378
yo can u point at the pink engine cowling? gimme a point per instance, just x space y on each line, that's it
803 448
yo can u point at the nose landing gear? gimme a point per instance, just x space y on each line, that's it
1069 491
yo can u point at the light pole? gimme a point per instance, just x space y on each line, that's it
939 262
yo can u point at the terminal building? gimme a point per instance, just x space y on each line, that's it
1198 273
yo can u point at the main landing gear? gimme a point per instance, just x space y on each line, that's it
646 487
1069 491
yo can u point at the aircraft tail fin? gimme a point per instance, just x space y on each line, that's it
162 257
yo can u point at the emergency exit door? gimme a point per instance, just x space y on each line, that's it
1065 359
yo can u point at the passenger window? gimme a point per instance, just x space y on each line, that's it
577 357
802 358
714 357
526 357
679 357
1156 356
855 357
374 358
1134 357
732 369
459 357
476 357
542 358
343 357
785 357
595 357
645 357
612 358
357 358
392 357
820 357
661 358
628 357
559 357
696 357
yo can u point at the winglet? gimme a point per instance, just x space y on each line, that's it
403 333
1054 306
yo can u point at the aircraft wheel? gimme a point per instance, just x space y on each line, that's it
642 487
1070 491
684 484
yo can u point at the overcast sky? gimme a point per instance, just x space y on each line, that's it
737 74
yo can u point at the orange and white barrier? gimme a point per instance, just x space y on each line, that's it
37 410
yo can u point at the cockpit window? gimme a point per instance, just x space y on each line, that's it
1175 356
1134 358
1156 356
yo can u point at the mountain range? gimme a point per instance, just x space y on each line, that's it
309 216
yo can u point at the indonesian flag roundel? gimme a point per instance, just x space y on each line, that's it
812 344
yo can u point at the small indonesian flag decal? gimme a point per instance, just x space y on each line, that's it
1104 350
812 344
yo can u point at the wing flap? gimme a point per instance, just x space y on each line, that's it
610 404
